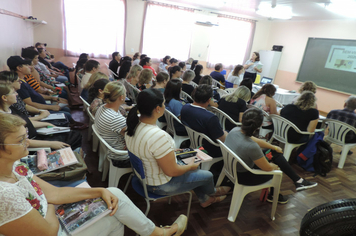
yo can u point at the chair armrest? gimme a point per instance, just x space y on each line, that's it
304 132
261 172
319 130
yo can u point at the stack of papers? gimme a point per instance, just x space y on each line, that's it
54 130
55 116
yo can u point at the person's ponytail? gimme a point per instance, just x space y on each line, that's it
132 121
251 120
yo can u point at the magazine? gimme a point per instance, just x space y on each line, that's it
55 160
55 116
53 130
200 157
74 217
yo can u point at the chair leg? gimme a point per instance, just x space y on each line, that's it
128 182
169 200
275 202
288 148
105 170
236 201
343 156
148 207
206 165
221 178
95 142
189 205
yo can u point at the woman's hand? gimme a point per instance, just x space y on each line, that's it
111 200
274 166
278 149
193 166
43 114
58 145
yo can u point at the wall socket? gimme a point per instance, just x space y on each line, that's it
132 50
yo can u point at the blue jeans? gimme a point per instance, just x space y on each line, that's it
201 181
62 79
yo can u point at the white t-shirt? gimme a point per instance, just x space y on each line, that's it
234 79
85 79
251 69
162 67
150 143
136 62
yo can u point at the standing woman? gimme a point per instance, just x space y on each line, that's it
155 148
253 66
146 63
233 80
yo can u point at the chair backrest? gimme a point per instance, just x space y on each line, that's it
106 146
170 118
265 114
223 116
196 138
337 131
92 118
217 84
230 90
221 92
137 165
278 104
131 90
184 95
85 103
192 83
281 127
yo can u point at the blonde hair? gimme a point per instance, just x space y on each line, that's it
145 76
9 124
5 89
306 100
308 86
94 77
134 71
241 92
113 91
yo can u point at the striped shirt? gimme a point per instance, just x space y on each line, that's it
150 143
32 82
109 124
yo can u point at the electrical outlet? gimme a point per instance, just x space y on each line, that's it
132 50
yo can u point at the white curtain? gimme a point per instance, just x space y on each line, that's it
94 27
230 41
167 31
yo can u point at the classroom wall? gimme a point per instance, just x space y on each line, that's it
15 32
294 36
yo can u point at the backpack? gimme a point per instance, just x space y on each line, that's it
323 158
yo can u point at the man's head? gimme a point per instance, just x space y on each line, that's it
351 103
40 45
219 67
30 54
202 94
116 56
19 65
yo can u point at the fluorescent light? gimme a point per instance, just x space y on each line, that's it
278 12
342 7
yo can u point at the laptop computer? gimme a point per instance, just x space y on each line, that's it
265 80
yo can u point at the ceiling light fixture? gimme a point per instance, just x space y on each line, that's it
274 11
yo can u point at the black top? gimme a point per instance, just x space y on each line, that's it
197 79
300 118
113 65
233 110
31 129
42 60
187 88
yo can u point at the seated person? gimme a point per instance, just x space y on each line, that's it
217 74
37 215
174 103
146 63
175 72
188 64
162 79
248 148
163 66
96 95
248 83
234 105
79 67
60 77
234 78
198 70
263 100
110 124
348 116
306 86
115 63
124 68
198 118
136 59
132 78
182 66
155 148
206 79
144 79
303 114
90 67
188 76
172 62
194 63
94 77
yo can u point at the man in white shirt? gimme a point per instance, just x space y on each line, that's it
90 67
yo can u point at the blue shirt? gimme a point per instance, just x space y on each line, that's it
203 121
175 107
26 91
217 76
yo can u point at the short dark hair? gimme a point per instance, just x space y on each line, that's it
164 60
114 54
218 66
90 65
29 53
143 56
173 70
83 56
247 82
251 120
173 60
38 44
144 61
172 90
162 76
202 93
181 64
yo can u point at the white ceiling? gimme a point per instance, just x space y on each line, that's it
302 9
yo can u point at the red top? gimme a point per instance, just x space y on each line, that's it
149 67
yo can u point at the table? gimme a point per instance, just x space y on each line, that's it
282 95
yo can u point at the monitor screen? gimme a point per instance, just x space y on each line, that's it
266 80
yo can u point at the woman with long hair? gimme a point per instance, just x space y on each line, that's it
198 70
124 69
155 148
234 105
146 63
163 66
303 114
241 141
30 207
96 95
175 72
144 79
162 79
136 59
94 77
252 66
194 63
263 99
234 79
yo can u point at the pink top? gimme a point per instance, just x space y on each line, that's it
260 102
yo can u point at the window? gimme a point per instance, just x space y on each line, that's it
94 27
230 41
167 31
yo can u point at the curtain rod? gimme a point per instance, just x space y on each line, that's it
195 9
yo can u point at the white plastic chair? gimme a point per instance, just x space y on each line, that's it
240 191
278 104
85 103
281 127
230 90
223 117
115 173
192 83
221 92
337 134
185 96
90 131
196 140
170 118
262 132
112 74
217 84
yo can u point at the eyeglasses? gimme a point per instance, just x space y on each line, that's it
22 141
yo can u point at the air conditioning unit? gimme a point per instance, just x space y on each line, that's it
206 18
